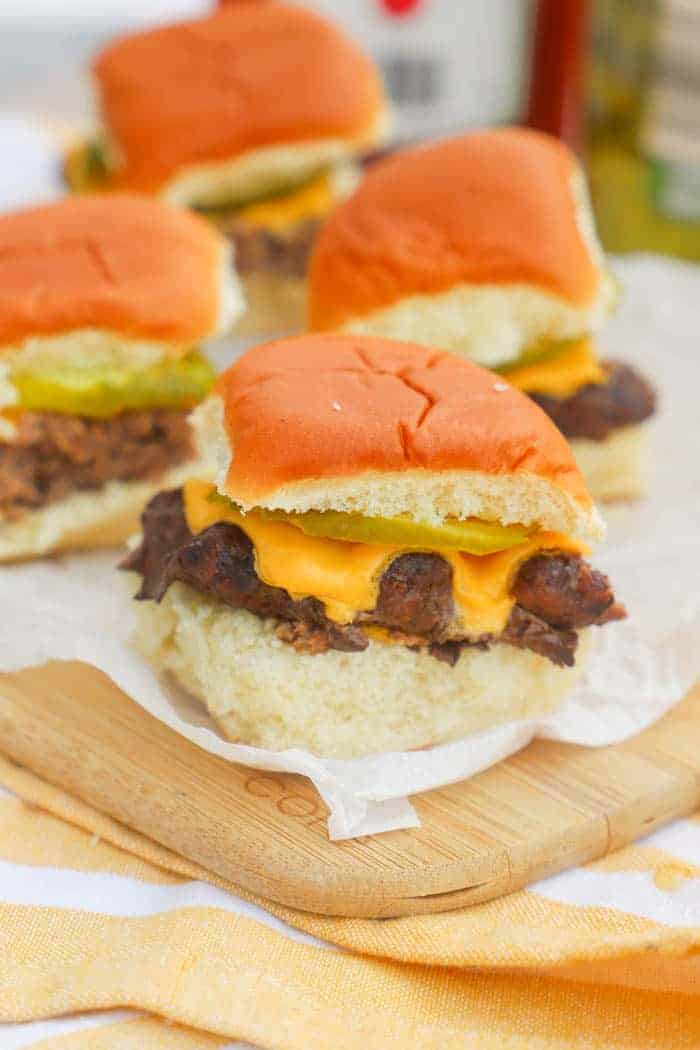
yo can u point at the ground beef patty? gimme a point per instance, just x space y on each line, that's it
53 455
597 409
555 593
284 254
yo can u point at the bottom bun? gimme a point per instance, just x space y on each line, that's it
96 518
388 698
274 304
619 467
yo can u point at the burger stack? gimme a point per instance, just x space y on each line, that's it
103 305
485 245
384 548
254 116
357 540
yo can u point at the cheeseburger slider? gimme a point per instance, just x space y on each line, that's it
485 245
388 552
103 302
253 115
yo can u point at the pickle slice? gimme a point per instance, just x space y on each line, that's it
277 194
471 535
104 391
85 169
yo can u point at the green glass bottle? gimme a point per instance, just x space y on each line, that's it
644 125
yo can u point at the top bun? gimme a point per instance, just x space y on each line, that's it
270 90
482 244
123 265
384 428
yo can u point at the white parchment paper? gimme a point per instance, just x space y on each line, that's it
76 608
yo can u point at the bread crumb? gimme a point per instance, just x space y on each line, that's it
336 406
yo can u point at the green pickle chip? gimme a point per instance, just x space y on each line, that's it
104 391
471 536
275 189
85 168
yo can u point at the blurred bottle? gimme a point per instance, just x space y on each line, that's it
644 125
556 102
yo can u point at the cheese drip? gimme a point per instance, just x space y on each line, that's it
345 576
313 200
85 172
562 375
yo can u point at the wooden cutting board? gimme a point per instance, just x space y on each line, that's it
547 808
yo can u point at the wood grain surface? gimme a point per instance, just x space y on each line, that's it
549 807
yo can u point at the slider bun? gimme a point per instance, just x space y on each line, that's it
125 272
262 692
384 428
93 519
243 101
619 467
481 244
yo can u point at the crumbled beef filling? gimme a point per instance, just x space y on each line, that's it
564 592
52 455
415 597
285 254
555 593
219 561
597 409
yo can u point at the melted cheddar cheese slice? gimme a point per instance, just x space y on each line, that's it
345 576
562 375
313 200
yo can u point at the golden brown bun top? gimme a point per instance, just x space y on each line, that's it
324 406
491 207
127 264
245 77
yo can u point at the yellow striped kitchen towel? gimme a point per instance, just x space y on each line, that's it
109 940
